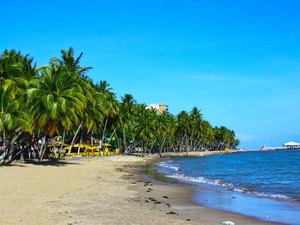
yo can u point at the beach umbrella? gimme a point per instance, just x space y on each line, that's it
89 147
107 144
79 145
85 146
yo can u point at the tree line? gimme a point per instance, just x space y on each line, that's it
38 103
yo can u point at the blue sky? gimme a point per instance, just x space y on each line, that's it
238 61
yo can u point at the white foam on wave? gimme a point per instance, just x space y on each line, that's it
260 194
200 180
165 165
226 185
180 176
274 196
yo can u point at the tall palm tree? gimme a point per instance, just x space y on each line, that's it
71 64
206 135
127 107
195 119
183 130
144 125
56 101
110 105
166 126
104 87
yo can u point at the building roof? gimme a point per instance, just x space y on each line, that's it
291 143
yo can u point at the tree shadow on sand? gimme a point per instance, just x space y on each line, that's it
51 162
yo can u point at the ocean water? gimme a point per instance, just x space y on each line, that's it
262 184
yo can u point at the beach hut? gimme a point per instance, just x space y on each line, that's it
292 145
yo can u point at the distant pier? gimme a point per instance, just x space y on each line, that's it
273 148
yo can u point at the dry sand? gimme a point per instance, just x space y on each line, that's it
97 191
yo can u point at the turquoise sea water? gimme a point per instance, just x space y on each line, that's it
263 184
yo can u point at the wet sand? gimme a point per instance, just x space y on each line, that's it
98 191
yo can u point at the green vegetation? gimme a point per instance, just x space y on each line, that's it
38 104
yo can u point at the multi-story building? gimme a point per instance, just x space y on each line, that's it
159 107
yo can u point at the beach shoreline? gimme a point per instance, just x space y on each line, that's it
103 190
192 208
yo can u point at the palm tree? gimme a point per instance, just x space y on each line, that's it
14 121
127 107
70 63
56 101
206 138
110 105
104 86
144 126
195 119
224 138
183 129
15 72
166 126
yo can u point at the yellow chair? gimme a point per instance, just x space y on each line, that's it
106 152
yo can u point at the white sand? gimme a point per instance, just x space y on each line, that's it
95 191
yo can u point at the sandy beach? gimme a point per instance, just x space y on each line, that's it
98 191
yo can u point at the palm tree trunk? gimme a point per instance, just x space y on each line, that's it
152 145
9 148
192 138
124 139
42 151
104 130
73 140
181 143
112 134
62 144
187 144
81 135
161 147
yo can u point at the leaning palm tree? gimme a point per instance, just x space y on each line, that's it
56 101
93 117
14 121
15 72
109 104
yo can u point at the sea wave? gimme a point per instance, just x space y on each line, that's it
199 180
165 165
260 194
226 185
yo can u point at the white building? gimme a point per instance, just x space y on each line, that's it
292 145
159 107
